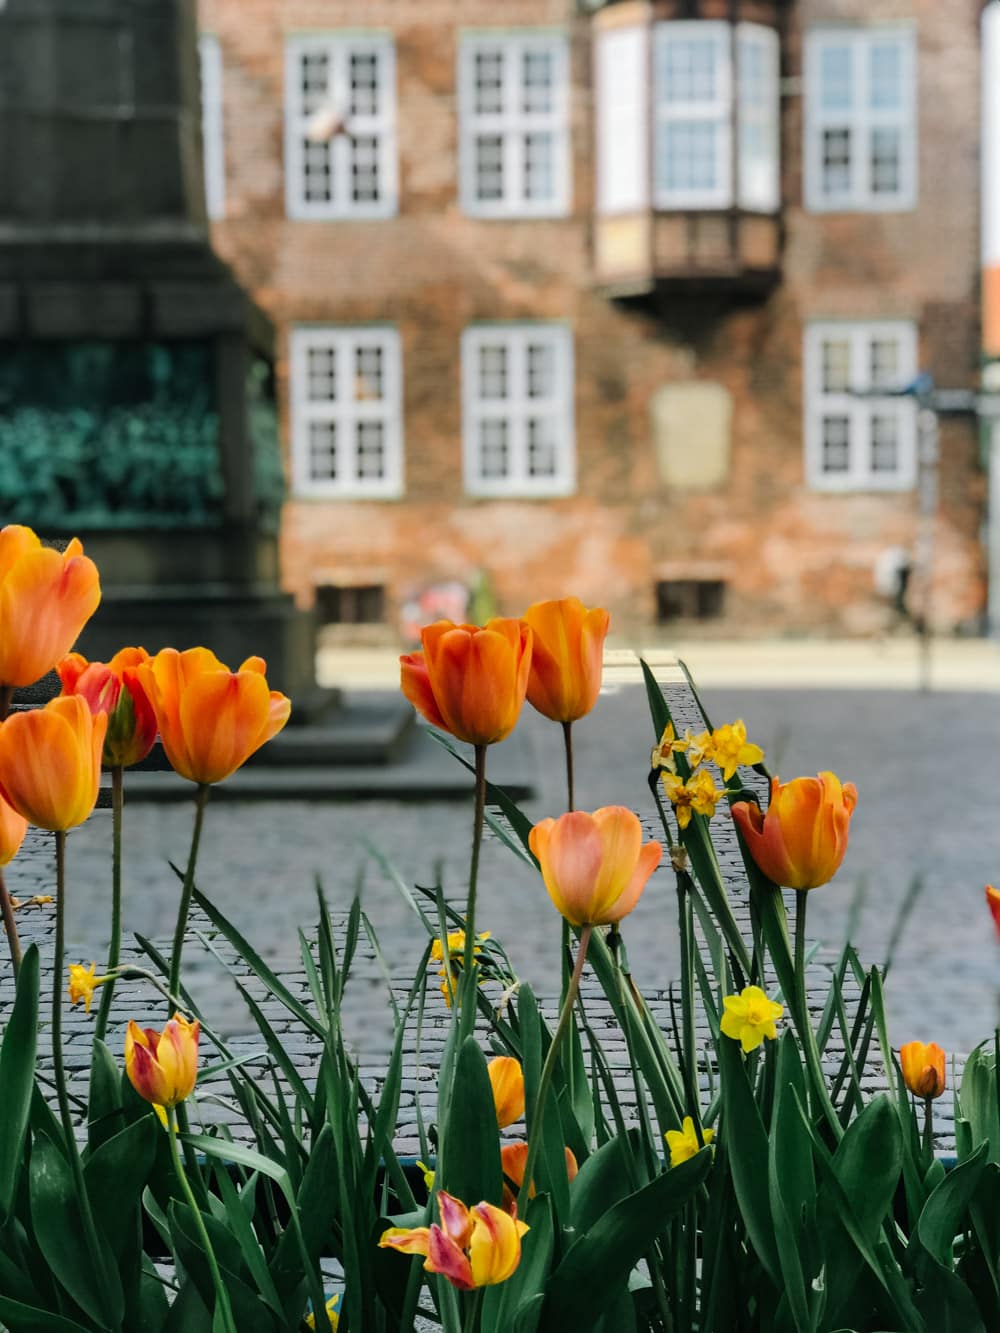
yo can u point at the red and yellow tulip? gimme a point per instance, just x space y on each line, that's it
50 762
210 719
802 839
507 1082
470 681
46 598
595 866
163 1066
472 1247
567 657
114 688
923 1068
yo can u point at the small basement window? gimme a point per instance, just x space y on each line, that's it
363 604
689 599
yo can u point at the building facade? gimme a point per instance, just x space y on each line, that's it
615 300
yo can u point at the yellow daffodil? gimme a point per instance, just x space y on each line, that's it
427 1174
750 1017
683 1143
662 754
456 953
696 748
699 795
332 1315
83 983
730 748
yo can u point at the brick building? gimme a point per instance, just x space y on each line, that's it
600 298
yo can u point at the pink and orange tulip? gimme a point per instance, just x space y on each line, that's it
46 598
469 681
210 719
114 688
472 1247
595 866
801 840
923 1068
567 657
50 762
163 1066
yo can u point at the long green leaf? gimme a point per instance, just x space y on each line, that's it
17 1077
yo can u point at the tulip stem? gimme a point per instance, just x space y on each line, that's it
222 1296
928 1124
97 1257
473 1307
568 745
800 1006
115 947
10 926
469 956
201 800
686 930
548 1068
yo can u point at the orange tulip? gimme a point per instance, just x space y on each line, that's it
211 719
13 827
46 598
567 657
514 1159
993 903
163 1066
507 1082
802 839
923 1068
470 681
50 762
113 688
595 866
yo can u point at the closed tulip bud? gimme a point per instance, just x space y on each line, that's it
513 1162
923 1068
567 657
114 688
210 719
50 762
13 827
46 598
595 866
469 681
471 1247
163 1066
802 839
507 1082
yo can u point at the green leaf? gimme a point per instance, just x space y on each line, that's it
116 1174
20 1318
868 1162
748 1156
249 1310
471 1138
603 1181
517 1301
17 1078
597 1265
791 1183
104 1109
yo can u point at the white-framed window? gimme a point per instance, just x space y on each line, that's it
347 439
517 420
213 144
861 119
514 118
340 127
855 439
693 64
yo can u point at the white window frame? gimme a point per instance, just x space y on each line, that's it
513 123
339 49
759 177
860 410
861 120
346 411
716 111
212 137
517 409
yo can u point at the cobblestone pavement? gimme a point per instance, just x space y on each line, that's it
922 763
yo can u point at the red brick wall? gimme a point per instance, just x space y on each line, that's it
794 559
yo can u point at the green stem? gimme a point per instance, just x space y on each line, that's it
469 957
929 1125
473 1308
564 954
821 1094
568 746
115 947
201 799
97 1257
222 1296
10 926
686 928
548 1068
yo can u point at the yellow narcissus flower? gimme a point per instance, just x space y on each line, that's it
699 795
507 1082
683 1143
456 956
662 754
730 748
695 748
332 1315
83 983
750 1017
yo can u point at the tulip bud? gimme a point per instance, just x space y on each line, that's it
50 762
595 866
923 1068
163 1066
567 657
802 839
507 1082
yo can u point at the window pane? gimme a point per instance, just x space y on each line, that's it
364 84
885 363
541 370
885 75
364 169
538 77
836 365
836 161
494 462
886 161
688 71
541 447
315 80
688 155
371 450
368 379
321 373
539 175
493 372
488 76
836 438
835 77
316 170
753 69
885 443
489 166
323 450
